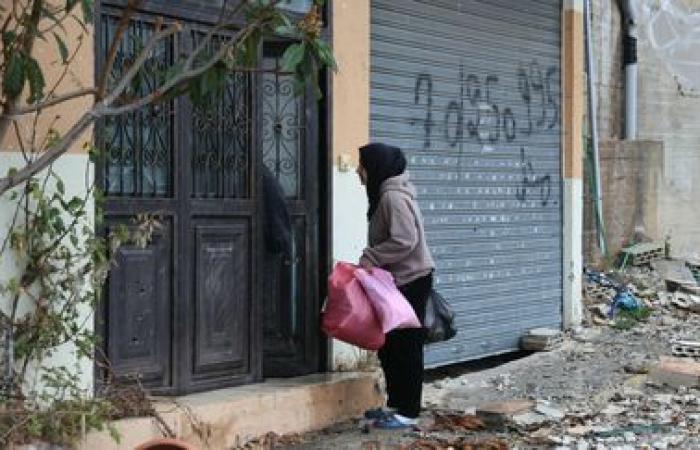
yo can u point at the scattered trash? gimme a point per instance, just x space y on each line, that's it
607 386
457 423
626 301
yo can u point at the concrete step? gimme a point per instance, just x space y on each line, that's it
232 417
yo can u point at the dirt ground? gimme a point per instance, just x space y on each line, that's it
592 392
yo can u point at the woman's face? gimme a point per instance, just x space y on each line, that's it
362 173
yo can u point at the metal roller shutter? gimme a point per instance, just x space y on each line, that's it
470 90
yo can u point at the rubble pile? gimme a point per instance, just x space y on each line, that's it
607 387
662 287
629 378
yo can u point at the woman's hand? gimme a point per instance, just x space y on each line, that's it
366 264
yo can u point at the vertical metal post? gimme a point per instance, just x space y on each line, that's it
593 124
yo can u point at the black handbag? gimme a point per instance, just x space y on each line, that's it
439 319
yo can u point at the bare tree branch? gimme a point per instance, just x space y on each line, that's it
57 22
213 30
114 46
17 113
176 81
50 155
20 141
66 67
139 61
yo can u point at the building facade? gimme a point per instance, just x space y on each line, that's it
485 98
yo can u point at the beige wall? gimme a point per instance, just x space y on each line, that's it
572 92
351 84
80 75
350 128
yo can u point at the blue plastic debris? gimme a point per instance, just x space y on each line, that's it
624 300
601 279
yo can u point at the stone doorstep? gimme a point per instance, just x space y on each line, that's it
229 417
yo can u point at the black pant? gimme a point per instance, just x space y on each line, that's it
402 354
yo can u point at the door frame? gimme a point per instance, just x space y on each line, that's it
323 128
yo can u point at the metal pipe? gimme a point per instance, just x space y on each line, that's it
631 102
593 125
630 61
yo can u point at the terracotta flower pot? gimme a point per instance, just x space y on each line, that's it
165 444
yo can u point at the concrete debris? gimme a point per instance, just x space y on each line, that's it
530 420
685 301
541 340
676 372
597 292
645 253
549 411
600 310
637 366
613 410
587 335
689 349
579 430
499 414
674 271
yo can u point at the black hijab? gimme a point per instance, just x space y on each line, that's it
381 162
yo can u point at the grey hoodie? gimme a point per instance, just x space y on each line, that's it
396 236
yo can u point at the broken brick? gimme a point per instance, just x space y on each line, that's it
676 372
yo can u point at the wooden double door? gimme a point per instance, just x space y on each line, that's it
209 302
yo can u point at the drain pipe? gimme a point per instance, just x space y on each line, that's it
630 61
629 23
593 125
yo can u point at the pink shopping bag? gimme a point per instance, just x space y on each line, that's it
348 315
391 307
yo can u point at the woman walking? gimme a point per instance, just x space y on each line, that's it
397 244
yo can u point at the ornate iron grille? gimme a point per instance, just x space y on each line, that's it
283 127
138 145
221 140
